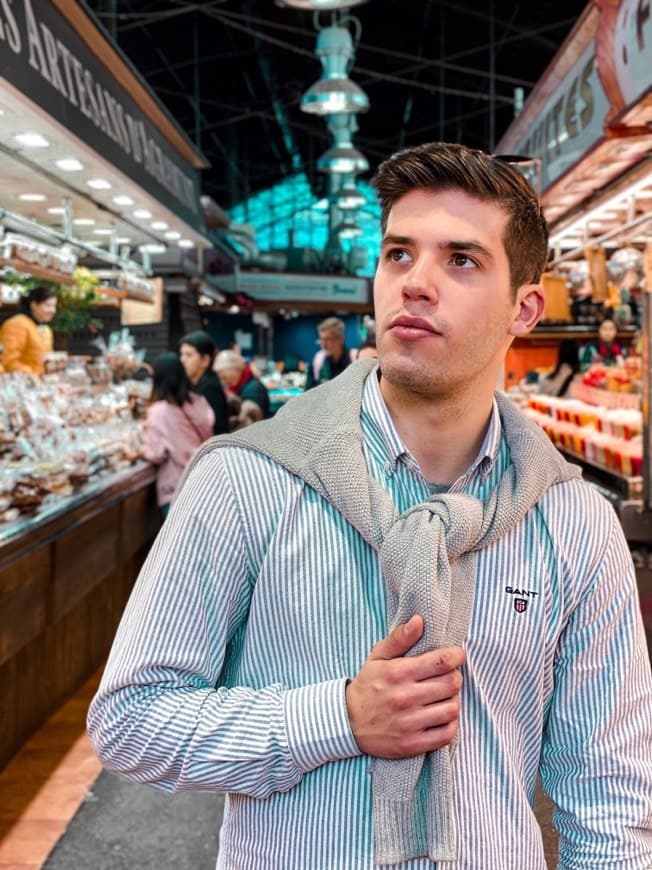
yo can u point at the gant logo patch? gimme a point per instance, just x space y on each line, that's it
522 596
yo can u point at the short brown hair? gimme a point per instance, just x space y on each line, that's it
439 166
332 324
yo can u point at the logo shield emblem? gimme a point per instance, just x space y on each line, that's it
520 605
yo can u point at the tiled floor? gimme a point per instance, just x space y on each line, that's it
44 784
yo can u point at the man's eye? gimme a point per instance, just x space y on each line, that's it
397 255
463 261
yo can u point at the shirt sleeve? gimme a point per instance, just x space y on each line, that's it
14 339
165 712
155 446
597 754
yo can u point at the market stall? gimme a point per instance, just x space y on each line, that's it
83 212
587 126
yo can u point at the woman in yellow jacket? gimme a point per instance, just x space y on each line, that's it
26 337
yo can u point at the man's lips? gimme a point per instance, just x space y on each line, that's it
412 327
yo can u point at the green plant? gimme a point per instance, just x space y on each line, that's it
74 301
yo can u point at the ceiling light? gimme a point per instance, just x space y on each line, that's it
348 230
70 164
342 159
123 200
99 184
123 240
32 197
84 222
159 225
318 5
172 236
57 209
32 140
142 214
334 91
153 249
102 232
186 243
348 197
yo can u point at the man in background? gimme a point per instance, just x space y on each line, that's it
333 357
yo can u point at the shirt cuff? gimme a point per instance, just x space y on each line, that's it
318 725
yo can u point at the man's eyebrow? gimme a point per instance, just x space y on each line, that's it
470 246
396 240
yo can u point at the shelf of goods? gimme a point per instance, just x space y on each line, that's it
608 444
77 517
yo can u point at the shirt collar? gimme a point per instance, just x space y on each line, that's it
377 415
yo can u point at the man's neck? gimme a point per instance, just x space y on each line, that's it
443 434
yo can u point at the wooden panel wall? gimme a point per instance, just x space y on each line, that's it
60 605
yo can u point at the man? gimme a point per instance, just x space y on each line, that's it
377 618
333 357
238 378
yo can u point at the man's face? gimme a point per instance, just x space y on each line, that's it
445 311
332 342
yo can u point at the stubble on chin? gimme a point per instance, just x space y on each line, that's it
411 379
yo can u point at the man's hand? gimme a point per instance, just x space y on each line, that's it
403 706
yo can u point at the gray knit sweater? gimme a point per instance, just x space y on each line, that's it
427 555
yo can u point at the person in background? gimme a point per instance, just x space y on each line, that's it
333 357
197 353
26 337
368 351
378 618
568 365
236 374
178 421
606 350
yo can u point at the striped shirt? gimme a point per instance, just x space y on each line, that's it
258 600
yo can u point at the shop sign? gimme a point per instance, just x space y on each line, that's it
42 56
570 122
613 72
280 287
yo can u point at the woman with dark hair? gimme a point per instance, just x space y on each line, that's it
178 421
568 365
197 352
26 337
606 350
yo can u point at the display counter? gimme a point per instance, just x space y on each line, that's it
65 577
538 349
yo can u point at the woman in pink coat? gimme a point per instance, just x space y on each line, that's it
178 421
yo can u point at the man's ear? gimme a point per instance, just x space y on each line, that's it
530 304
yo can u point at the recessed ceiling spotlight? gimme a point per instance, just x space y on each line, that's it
70 164
102 231
84 222
159 225
123 200
186 243
153 249
32 140
32 197
123 240
173 236
99 184
56 209
142 214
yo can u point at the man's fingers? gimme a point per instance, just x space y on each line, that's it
398 641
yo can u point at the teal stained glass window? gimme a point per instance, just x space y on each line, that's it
288 215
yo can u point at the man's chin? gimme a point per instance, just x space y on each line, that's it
409 376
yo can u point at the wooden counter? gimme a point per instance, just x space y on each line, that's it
64 581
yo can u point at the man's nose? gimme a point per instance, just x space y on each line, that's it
421 284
